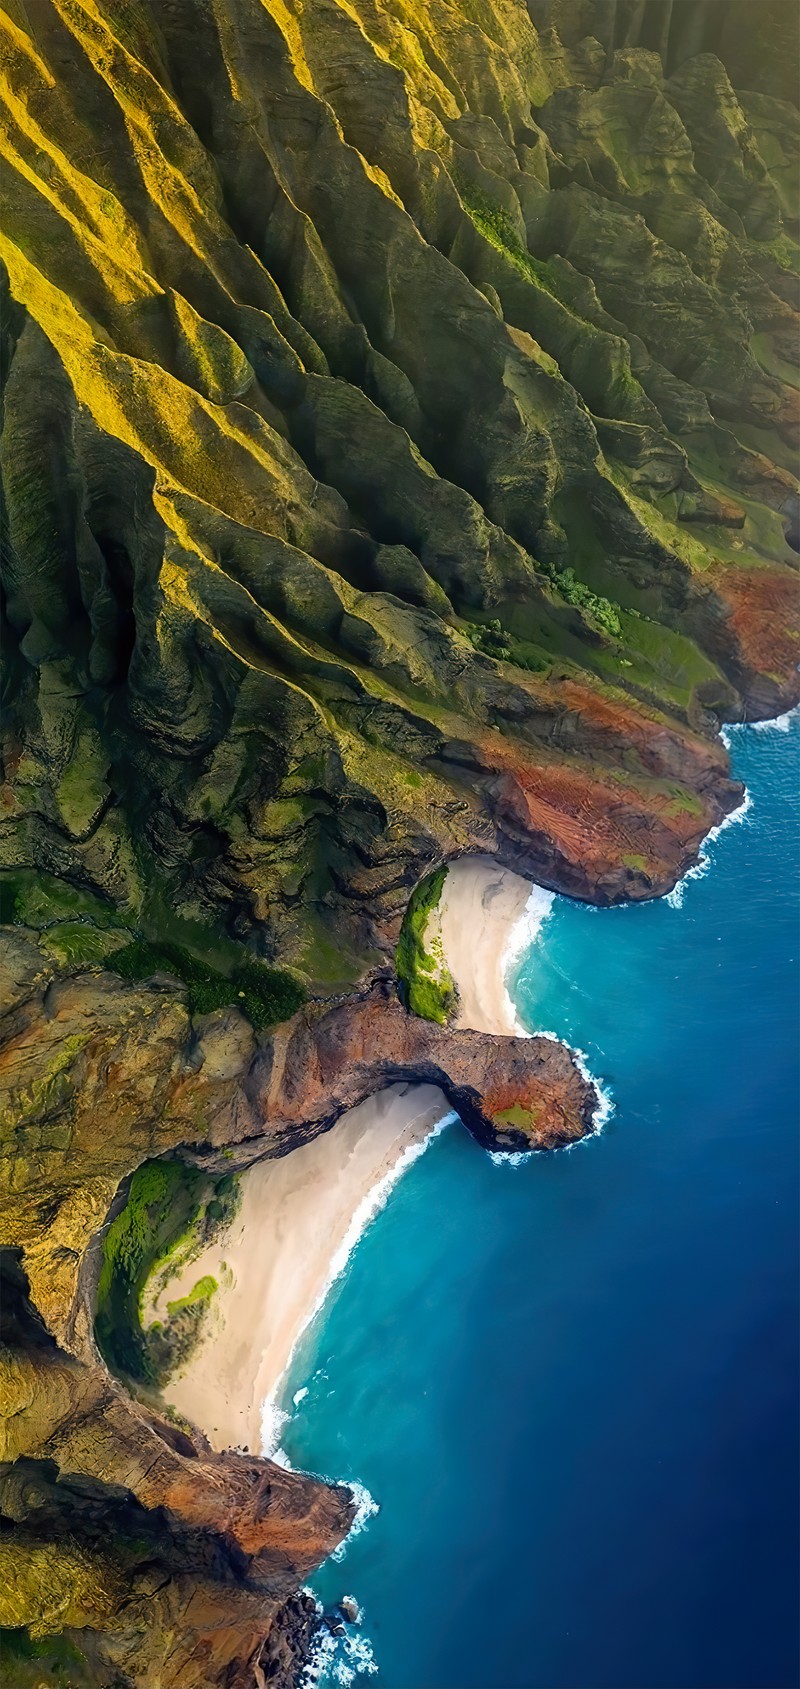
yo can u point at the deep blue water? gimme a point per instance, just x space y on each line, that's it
572 1385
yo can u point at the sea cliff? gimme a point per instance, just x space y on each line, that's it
398 438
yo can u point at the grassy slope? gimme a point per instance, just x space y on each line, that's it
319 507
170 1211
428 986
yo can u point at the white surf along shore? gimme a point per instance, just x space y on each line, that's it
299 1218
301 1215
487 918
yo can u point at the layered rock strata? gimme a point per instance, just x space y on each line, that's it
398 427
176 1561
398 447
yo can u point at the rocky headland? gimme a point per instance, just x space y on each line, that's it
399 432
98 1076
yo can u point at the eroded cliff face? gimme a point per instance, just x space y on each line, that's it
397 425
131 1536
99 1074
398 434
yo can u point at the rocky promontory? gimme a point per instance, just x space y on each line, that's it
398 446
184 1559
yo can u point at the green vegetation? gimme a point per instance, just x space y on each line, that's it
684 802
429 987
495 640
491 638
517 1115
85 930
172 1211
499 229
266 995
633 859
78 944
28 1662
44 900
600 609
202 1291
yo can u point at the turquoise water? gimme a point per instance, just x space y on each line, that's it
571 1385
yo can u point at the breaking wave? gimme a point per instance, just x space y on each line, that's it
273 1418
675 897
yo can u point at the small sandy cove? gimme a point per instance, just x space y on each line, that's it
275 1263
486 917
301 1214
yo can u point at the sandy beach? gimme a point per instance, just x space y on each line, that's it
487 915
300 1215
297 1220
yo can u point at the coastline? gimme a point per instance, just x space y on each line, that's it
298 1220
679 935
487 916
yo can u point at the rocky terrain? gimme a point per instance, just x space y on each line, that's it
177 1560
397 439
399 432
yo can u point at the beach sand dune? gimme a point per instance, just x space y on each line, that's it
275 1263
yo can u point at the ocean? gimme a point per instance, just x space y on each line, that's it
570 1386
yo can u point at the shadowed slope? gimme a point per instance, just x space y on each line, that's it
397 446
417 414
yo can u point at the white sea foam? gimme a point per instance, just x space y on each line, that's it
356 1658
513 1158
601 1114
366 1508
776 724
299 1396
359 1618
317 1667
523 934
322 1646
338 1660
605 1101
675 897
273 1418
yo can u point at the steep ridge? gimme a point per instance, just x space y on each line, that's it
399 425
418 424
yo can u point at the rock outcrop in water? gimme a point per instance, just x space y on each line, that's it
398 439
178 1560
99 1074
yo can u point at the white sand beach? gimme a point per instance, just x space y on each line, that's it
300 1215
298 1218
487 915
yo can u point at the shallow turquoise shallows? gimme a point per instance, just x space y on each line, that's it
571 1385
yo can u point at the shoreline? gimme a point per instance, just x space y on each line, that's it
412 1144
302 1215
486 917
299 1218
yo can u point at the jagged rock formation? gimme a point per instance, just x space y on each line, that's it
163 1562
332 337
98 1074
398 440
177 1560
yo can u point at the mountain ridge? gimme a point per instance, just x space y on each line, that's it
399 432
